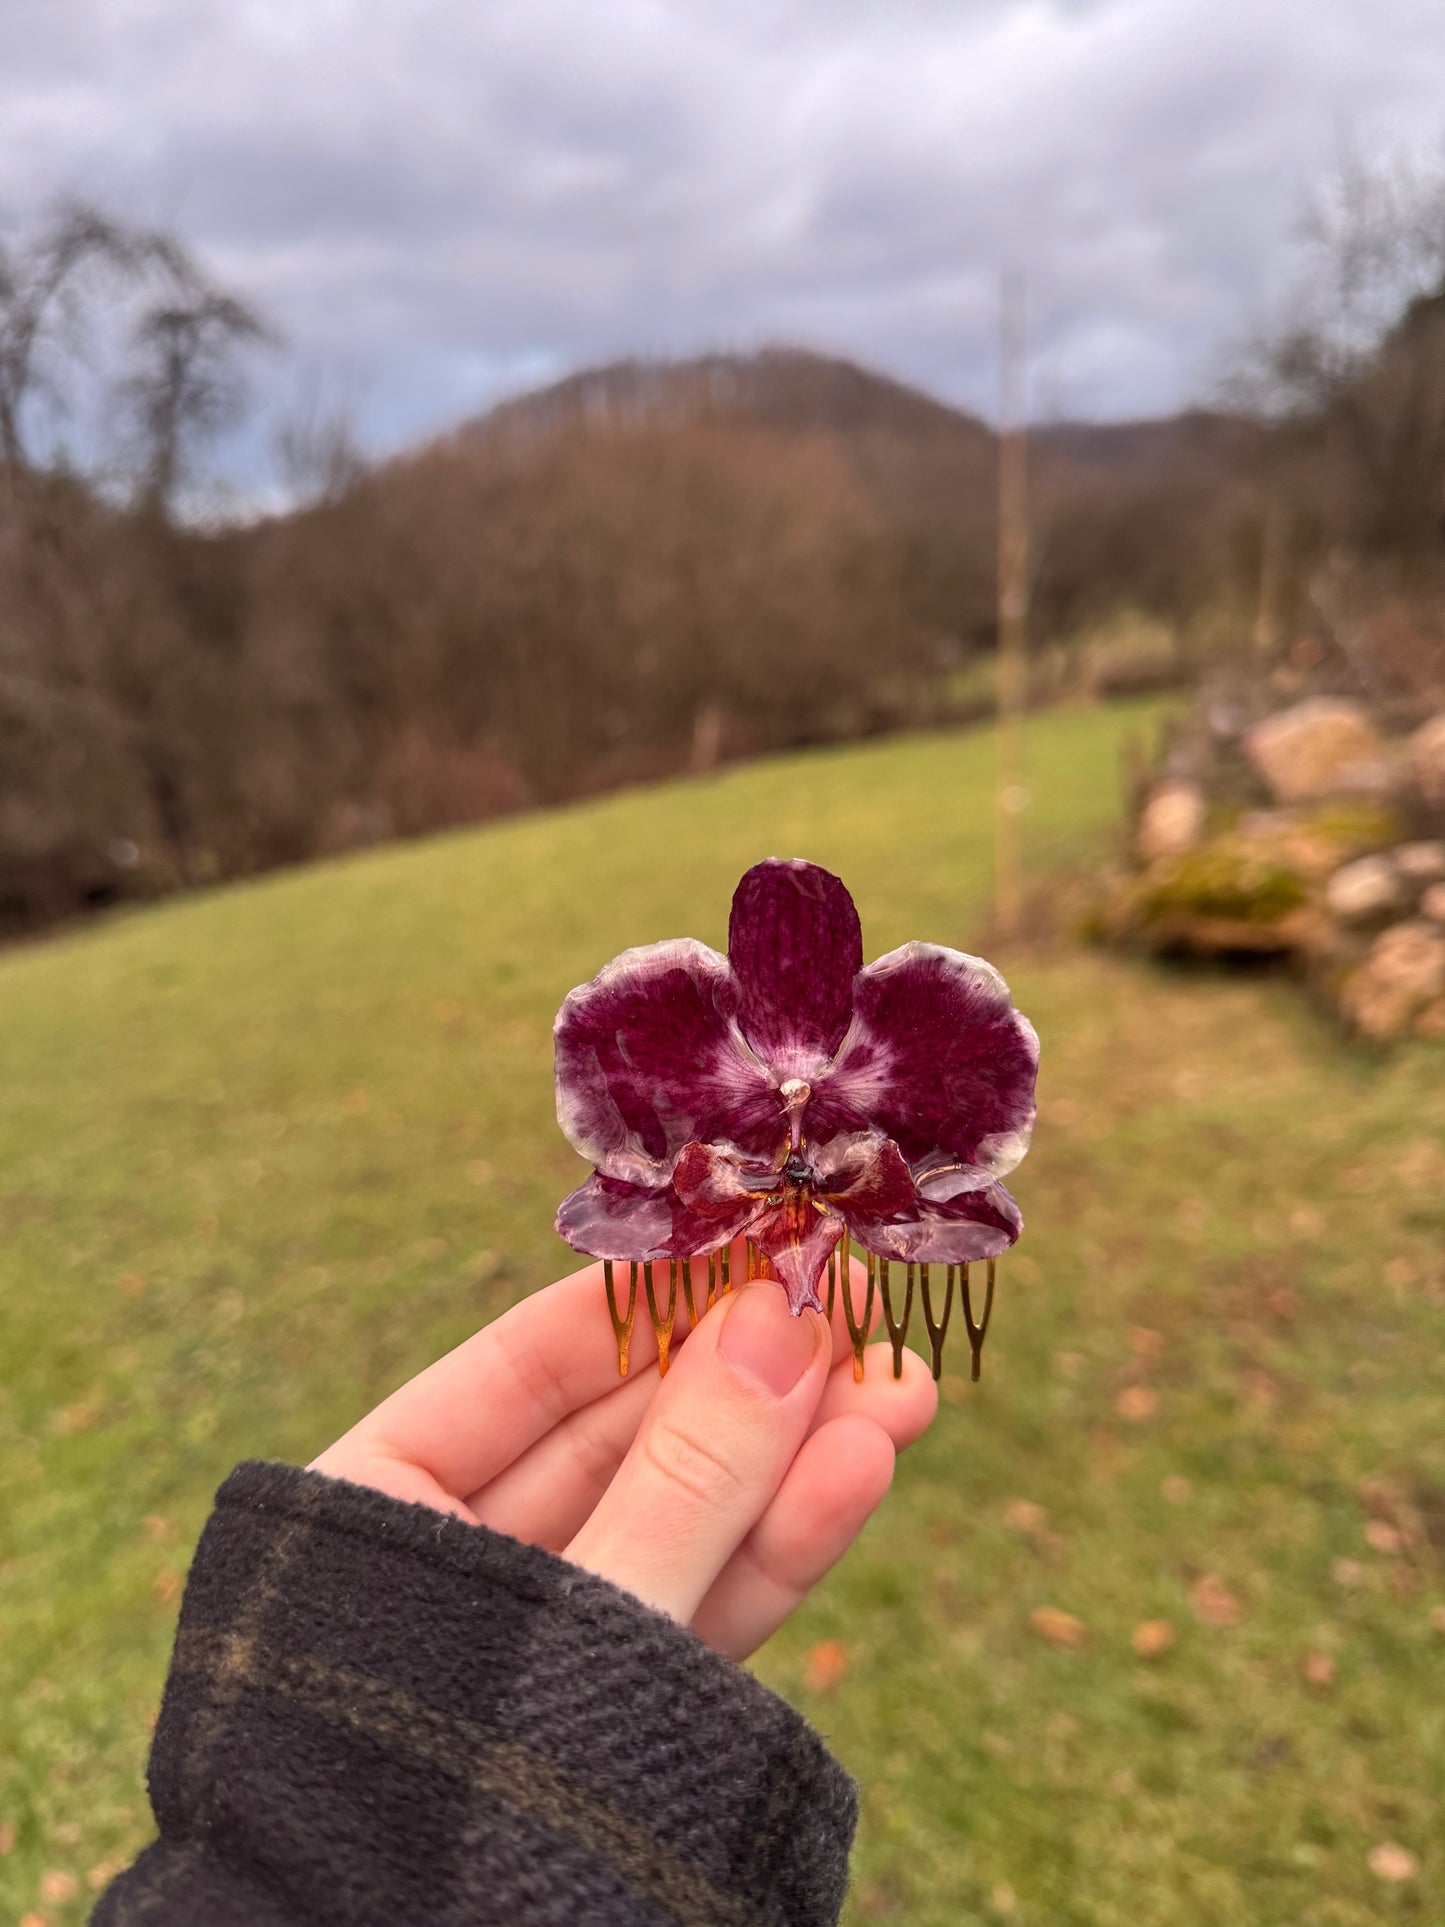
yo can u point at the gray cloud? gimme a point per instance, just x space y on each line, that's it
445 202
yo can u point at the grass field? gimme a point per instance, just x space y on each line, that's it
264 1153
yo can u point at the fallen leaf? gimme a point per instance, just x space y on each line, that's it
35 1920
1350 1574
1437 1618
102 1873
1390 1861
8 1836
1137 1403
1215 1604
166 1585
156 1528
1176 1489
1283 1304
1404 1581
1153 1637
1319 1669
78 1417
825 1664
1058 1628
1024 1516
57 1885
132 1284
1004 1899
1382 1536
1145 1343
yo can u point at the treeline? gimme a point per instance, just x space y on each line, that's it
647 569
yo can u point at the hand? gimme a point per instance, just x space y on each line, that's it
719 1495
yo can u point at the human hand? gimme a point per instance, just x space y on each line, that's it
719 1495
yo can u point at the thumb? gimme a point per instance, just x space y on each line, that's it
710 1452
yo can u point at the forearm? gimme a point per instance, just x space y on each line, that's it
377 1713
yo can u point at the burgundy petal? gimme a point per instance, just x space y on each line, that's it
713 1184
980 1224
609 1218
649 1056
864 1172
795 944
796 1237
937 1059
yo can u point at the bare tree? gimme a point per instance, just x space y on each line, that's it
315 447
42 302
1355 378
188 383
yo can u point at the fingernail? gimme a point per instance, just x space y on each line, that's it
761 1339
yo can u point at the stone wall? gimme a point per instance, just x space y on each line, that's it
1312 831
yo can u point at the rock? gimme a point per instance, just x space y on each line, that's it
1426 751
1173 820
1233 894
1432 904
1319 747
1364 890
1421 862
1403 975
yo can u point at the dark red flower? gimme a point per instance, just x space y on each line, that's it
786 1093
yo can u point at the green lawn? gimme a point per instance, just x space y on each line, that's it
265 1152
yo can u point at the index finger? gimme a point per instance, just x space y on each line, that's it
466 1418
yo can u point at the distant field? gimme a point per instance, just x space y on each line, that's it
264 1153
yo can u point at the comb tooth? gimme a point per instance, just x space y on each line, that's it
621 1327
832 1281
753 1257
661 1322
687 1297
726 1267
856 1332
938 1328
979 1331
897 1327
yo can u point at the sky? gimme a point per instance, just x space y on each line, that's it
440 202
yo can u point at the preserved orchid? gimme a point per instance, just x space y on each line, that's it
787 1095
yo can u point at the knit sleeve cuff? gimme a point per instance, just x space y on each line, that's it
379 1713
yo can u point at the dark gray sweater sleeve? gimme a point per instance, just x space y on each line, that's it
377 1714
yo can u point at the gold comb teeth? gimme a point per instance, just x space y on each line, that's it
880 1287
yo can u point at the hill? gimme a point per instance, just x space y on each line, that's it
265 1151
1139 514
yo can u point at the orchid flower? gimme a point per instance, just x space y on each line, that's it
788 1095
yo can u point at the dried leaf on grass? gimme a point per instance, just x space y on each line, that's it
1024 1516
1137 1403
825 1664
1215 1604
1391 1861
1058 1628
1153 1637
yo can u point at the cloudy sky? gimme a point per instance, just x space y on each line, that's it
441 201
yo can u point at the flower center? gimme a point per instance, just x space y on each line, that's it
797 1170
795 1092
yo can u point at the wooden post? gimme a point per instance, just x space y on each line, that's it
1268 622
1013 598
